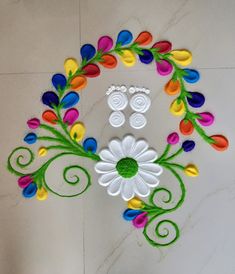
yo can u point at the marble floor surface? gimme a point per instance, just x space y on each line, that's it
87 235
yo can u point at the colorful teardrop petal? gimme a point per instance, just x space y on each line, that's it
30 138
182 57
59 81
42 151
87 52
50 99
163 46
90 145
78 82
197 99
124 37
221 142
77 131
33 123
191 170
147 56
105 43
70 99
192 76
173 138
41 194
131 214
24 181
206 119
164 67
177 107
128 58
135 203
188 145
186 127
144 38
91 70
172 87
30 190
70 66
70 116
141 220
50 117
108 61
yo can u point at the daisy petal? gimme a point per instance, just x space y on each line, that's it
104 167
140 187
127 144
139 148
149 178
115 147
107 156
152 168
115 187
128 190
107 178
148 156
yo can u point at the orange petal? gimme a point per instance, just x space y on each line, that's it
172 87
221 142
144 38
78 82
50 117
109 61
186 127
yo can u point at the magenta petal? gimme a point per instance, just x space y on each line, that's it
105 43
71 116
173 138
206 119
164 67
24 181
141 220
33 123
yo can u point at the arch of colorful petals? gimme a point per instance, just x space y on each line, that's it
65 133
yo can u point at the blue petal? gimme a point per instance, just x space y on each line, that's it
197 99
188 145
30 190
90 145
59 81
49 98
70 99
147 56
192 76
124 37
131 214
30 138
87 51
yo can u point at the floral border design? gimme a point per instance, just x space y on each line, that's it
66 134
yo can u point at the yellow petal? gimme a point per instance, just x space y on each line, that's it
191 170
42 151
135 203
128 58
77 131
177 107
70 66
42 194
182 57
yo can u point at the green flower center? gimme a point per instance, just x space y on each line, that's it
127 167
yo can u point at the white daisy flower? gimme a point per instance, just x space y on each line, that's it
127 167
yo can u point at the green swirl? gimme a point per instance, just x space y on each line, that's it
19 161
155 211
74 181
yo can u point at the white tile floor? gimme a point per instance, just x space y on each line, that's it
87 234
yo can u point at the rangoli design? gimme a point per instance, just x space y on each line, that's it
128 167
